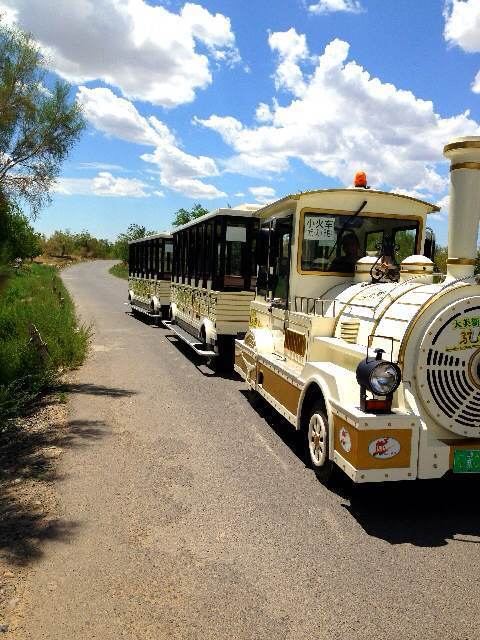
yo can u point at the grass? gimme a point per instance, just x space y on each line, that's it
36 296
120 270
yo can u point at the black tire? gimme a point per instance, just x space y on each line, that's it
316 440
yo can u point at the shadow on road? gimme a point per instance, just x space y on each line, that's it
28 459
144 319
424 513
96 390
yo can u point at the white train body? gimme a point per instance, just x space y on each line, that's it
302 351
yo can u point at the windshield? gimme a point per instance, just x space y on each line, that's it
334 243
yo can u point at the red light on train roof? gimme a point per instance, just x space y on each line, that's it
360 179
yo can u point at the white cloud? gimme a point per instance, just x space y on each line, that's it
291 48
240 194
462 28
177 169
346 120
117 117
444 204
462 24
263 113
101 166
148 52
331 6
263 194
476 83
103 184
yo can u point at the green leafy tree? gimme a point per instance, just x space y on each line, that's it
440 259
182 216
20 240
60 244
134 232
38 126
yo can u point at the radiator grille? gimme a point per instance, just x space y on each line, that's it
295 342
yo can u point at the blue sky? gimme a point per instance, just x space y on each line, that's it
227 102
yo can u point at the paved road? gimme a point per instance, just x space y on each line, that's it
192 516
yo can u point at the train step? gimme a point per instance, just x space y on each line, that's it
200 348
146 312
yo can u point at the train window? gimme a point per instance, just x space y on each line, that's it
333 243
373 243
208 253
280 261
200 255
262 249
235 255
167 257
405 240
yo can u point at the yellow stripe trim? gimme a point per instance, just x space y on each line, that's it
466 165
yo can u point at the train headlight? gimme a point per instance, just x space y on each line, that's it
380 378
384 379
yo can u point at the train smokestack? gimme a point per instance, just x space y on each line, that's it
464 214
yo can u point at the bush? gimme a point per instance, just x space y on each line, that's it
36 295
120 270
17 237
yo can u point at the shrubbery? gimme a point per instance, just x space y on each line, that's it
36 296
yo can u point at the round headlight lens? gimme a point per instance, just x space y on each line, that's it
384 379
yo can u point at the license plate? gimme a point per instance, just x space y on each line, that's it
466 461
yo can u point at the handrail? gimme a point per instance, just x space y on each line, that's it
315 306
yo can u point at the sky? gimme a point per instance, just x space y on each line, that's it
226 102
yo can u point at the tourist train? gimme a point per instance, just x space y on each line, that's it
149 274
352 337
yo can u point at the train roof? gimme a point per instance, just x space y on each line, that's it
154 237
284 202
242 211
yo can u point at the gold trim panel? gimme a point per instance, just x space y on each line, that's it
284 392
415 272
462 261
295 342
462 144
358 455
465 165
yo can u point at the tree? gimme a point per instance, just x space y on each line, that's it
182 216
19 240
60 244
440 259
134 232
38 126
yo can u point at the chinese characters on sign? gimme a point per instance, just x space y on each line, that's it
321 229
468 329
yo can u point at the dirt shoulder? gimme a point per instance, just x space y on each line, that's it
28 502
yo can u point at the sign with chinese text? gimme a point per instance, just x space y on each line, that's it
320 228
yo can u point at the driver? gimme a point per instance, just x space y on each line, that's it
351 253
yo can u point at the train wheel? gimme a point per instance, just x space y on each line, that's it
316 441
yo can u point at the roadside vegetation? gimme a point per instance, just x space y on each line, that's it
39 336
120 270
39 124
